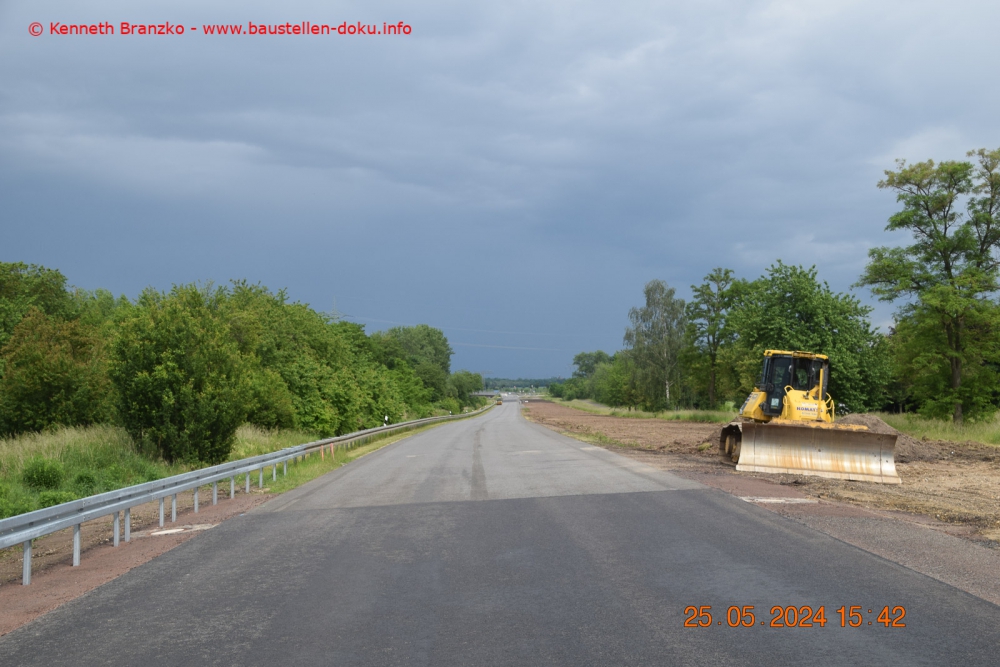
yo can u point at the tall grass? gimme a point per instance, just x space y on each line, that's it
704 416
86 460
986 432
96 459
253 440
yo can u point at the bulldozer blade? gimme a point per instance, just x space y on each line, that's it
823 450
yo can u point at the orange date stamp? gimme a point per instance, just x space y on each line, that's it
792 616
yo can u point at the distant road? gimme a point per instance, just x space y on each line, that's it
493 541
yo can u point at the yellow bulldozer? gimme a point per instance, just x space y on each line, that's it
786 425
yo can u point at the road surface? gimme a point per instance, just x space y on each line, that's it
494 541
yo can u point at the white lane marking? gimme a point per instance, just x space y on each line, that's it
527 451
184 529
412 456
785 501
590 449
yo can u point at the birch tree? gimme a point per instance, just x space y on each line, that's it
655 339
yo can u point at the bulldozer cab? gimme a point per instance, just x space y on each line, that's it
798 370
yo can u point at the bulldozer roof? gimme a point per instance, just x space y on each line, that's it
798 353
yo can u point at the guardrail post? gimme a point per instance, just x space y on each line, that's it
322 453
76 545
232 487
26 568
260 479
248 481
128 524
117 526
215 493
173 508
196 500
274 473
286 468
161 512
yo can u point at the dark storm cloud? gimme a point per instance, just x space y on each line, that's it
518 168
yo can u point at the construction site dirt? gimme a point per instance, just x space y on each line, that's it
954 487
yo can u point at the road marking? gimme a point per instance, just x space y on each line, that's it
527 451
785 501
412 456
590 449
184 529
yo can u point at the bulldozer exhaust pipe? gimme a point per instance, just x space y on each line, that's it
823 450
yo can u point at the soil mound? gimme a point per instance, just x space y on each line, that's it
874 424
907 448
910 449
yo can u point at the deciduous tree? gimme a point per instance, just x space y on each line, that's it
654 339
707 325
947 276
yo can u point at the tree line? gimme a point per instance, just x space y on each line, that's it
940 358
180 370
511 384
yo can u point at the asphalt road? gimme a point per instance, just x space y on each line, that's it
493 541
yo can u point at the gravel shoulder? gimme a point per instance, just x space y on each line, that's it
942 521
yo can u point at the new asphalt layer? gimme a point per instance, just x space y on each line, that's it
493 541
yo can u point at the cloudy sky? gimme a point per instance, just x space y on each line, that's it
512 173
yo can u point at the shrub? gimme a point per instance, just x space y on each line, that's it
180 376
55 372
50 498
451 405
85 482
13 503
42 473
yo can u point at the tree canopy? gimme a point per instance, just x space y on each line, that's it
180 370
946 279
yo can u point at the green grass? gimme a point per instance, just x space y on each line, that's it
96 459
986 432
253 441
87 460
704 416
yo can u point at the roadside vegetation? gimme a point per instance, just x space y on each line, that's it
42 469
986 431
933 374
99 392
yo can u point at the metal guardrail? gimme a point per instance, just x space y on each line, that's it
24 528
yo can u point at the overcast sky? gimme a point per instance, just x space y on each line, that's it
511 172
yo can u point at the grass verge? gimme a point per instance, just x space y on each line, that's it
986 432
42 469
702 416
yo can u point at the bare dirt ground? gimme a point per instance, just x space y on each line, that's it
54 580
954 487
